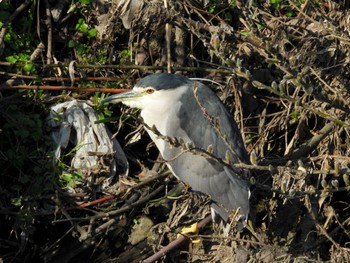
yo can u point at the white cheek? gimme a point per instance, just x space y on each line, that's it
133 104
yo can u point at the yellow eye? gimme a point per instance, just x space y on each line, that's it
149 91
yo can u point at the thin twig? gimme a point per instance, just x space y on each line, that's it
65 88
214 123
116 212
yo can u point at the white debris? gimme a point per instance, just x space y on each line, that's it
95 151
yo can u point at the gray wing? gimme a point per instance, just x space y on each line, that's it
202 174
201 126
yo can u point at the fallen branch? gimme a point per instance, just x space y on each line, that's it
165 250
116 212
65 88
311 145
223 70
38 78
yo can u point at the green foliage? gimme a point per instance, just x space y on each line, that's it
5 10
21 57
67 179
92 33
233 3
228 17
211 8
295 116
22 126
85 2
83 46
83 50
18 46
276 3
82 26
103 112
4 16
29 67
124 55
26 170
284 6
24 149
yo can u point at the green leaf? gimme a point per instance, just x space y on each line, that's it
85 2
81 21
260 26
228 17
92 33
83 28
71 43
101 116
11 59
18 200
28 67
233 3
290 13
81 25
108 113
212 8
245 33
8 37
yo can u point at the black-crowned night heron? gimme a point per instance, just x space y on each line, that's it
196 117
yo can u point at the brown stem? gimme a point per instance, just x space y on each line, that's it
165 250
66 88
49 34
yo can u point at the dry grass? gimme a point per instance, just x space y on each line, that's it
285 76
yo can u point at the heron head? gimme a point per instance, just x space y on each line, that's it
157 91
